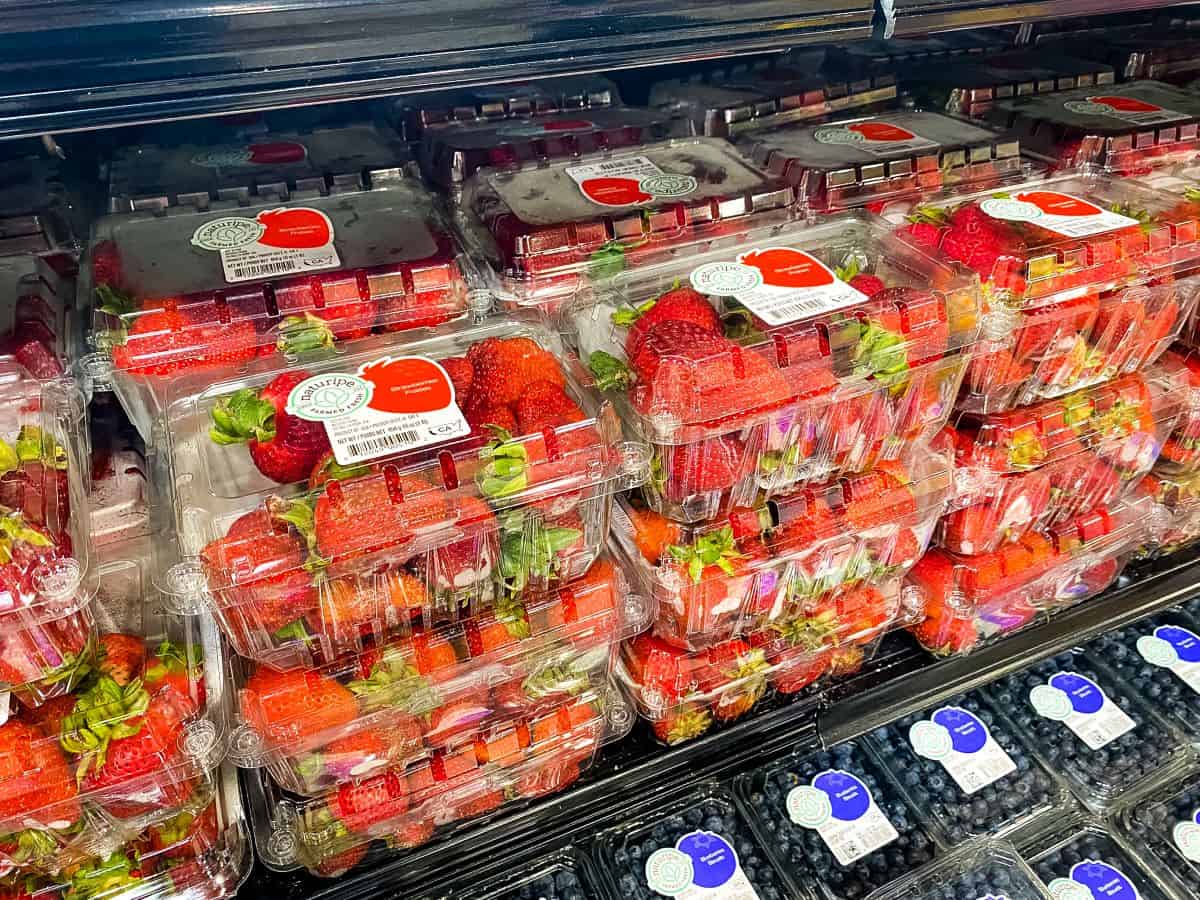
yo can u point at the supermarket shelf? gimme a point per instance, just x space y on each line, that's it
916 17
73 65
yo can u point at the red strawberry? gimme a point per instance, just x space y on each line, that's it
321 309
462 374
284 447
413 833
544 404
737 673
682 304
714 578
49 716
334 865
505 367
924 234
328 467
713 464
180 667
185 835
365 804
377 513
652 532
35 781
459 565
353 607
868 284
292 707
120 657
488 420
666 680
977 240
163 338
878 498
106 264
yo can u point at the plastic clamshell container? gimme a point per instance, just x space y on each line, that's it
986 784
487 677
987 870
732 100
1161 827
834 820
36 210
1125 128
823 380
37 321
201 851
1041 465
568 874
1090 729
121 493
877 159
47 626
452 152
272 166
548 228
1180 456
130 744
791 563
971 601
1086 860
1179 498
703 835
898 54
439 791
1087 294
490 103
413 526
1157 659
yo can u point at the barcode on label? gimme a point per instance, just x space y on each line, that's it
609 166
794 309
259 270
384 442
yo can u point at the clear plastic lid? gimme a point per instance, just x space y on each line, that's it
271 166
737 98
874 159
548 228
1087 861
1090 728
898 54
315 728
778 357
181 291
686 845
441 790
1126 128
968 773
492 102
1180 455
453 151
37 321
979 870
35 208
379 468
833 818
565 875
1164 829
786 563
1179 498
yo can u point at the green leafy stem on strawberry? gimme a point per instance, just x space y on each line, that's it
101 877
530 549
32 445
242 416
105 712
506 466
394 682
716 548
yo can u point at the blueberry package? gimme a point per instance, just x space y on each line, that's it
1089 728
979 870
1158 659
1163 828
565 875
834 817
698 845
1085 862
967 772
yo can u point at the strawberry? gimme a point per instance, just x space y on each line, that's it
665 680
105 258
327 467
683 345
534 550
1018 502
186 834
867 284
681 304
413 833
462 375
504 367
49 716
120 657
319 310
180 667
878 498
337 864
862 612
366 751
737 674
38 795
377 513
469 562
163 338
289 708
945 631
351 608
712 464
652 532
459 716
390 677
714 584
479 802
924 234
488 420
362 805
544 404
283 446
120 872
977 240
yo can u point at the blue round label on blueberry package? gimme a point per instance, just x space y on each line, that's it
967 733
1104 881
713 859
1186 644
1085 695
849 798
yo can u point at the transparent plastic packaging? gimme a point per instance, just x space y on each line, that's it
972 601
36 315
264 279
1086 860
1085 277
858 58
1041 465
37 212
703 835
416 500
788 564
1162 828
739 98
978 870
845 349
438 791
271 166
1090 729
120 494
873 160
548 229
1180 457
565 875
834 820
1179 499
1125 129
483 677
968 773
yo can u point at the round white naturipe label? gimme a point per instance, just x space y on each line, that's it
228 233
808 806
931 740
329 396
668 185
1051 702
1010 210
727 278
669 871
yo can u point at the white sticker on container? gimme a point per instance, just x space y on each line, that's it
777 284
389 405
1174 648
285 241
957 739
629 181
1094 880
1081 705
701 866
1186 835
1127 109
842 811
878 137
267 153
1060 213
4 706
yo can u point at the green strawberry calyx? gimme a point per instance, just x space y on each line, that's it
505 472
176 829
102 877
1077 410
32 445
809 632
849 270
529 549
1192 193
687 724
32 846
625 317
299 513
717 548
929 215
881 354
1025 449
304 334
104 713
395 682
609 373
1144 219
295 630
170 658
556 678
608 261
242 416
14 531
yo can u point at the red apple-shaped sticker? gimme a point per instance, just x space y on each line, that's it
614 191
1056 204
881 131
296 228
408 384
1126 104
787 267
276 152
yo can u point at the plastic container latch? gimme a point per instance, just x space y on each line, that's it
185 587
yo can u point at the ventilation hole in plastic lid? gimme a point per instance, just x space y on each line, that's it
282 845
200 741
186 579
57 579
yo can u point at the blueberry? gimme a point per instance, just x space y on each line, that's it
1091 845
558 883
1152 824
